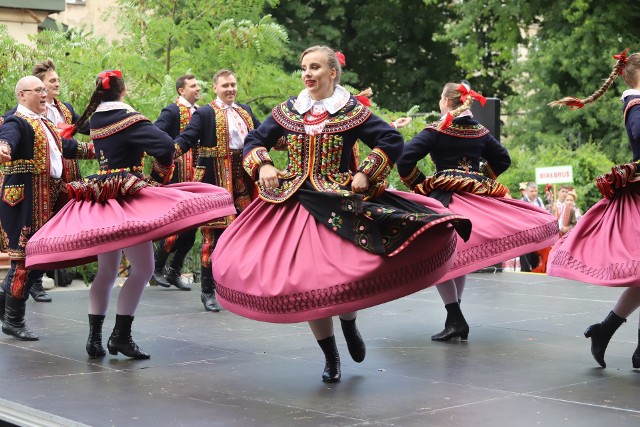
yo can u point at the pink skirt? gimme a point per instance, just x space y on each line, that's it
83 229
603 248
502 229
276 263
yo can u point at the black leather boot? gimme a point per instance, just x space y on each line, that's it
121 341
355 344
454 326
14 323
36 290
158 272
94 343
331 373
2 296
601 333
635 359
208 295
174 277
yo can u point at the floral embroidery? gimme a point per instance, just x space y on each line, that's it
335 221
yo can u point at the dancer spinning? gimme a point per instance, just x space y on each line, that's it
118 210
503 228
610 225
320 241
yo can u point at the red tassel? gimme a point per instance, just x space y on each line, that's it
66 131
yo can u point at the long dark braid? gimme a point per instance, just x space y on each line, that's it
100 94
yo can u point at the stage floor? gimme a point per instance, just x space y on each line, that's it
526 364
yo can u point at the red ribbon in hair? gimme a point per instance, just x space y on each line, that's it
364 100
468 92
106 75
622 57
66 131
341 59
448 119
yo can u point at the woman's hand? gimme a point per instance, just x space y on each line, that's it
269 176
360 183
401 122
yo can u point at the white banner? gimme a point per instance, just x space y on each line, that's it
554 175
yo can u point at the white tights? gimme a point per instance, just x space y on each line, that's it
627 303
451 290
141 259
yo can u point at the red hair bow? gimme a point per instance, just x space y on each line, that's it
341 59
66 131
468 92
105 75
622 57
446 122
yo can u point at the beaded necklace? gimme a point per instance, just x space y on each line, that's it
311 119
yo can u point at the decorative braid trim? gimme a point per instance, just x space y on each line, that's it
110 188
619 177
631 103
460 131
414 178
256 158
117 126
444 182
376 166
98 236
165 173
341 293
351 115
504 244
615 271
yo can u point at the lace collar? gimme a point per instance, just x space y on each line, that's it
333 103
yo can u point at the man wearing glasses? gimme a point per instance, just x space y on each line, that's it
32 152
57 112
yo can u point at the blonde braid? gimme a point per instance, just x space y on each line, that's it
451 92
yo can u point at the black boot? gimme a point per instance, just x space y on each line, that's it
601 333
36 291
94 342
121 341
158 272
2 297
208 295
14 323
331 373
355 344
174 277
635 359
454 326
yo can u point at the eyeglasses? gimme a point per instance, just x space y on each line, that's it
39 90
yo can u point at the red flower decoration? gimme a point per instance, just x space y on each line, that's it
341 59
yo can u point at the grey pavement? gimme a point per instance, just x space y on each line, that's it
526 363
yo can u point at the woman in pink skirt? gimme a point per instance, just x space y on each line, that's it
322 240
503 228
611 225
118 210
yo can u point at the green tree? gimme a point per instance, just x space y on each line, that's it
389 45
